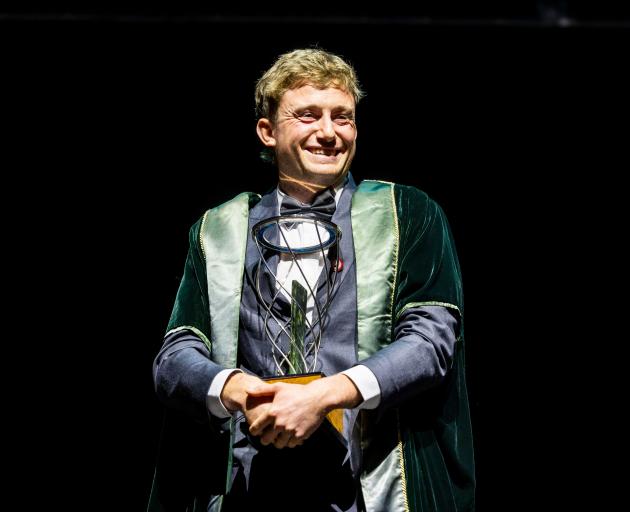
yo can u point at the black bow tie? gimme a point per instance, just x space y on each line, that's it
323 206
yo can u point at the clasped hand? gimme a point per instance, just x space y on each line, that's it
283 414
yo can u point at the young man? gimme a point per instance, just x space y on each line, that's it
392 346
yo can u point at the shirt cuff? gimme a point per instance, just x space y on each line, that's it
367 384
213 398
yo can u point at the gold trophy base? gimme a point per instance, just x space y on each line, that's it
335 417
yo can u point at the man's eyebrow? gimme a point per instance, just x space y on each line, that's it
338 108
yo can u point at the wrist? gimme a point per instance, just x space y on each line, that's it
339 392
233 395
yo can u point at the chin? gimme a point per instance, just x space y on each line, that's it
326 177
336 170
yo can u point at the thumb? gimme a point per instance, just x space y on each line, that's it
261 389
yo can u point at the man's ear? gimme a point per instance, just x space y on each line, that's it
264 129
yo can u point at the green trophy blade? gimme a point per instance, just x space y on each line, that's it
298 327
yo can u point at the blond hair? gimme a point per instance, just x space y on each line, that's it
294 69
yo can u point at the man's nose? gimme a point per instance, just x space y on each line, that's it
326 128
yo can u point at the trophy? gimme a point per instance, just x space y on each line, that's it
299 241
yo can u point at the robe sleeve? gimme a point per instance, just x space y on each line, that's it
191 310
428 268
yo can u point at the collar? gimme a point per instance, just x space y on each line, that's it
338 190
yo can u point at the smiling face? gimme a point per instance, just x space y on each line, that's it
313 135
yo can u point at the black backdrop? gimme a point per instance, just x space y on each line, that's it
134 128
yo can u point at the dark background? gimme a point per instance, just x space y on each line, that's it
130 122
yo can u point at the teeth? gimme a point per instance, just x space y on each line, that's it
327 152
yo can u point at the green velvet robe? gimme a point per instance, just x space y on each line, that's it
417 456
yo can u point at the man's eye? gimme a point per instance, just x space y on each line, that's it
343 119
306 115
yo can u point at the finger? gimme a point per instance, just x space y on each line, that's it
269 435
259 425
283 439
311 430
294 441
251 402
261 389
